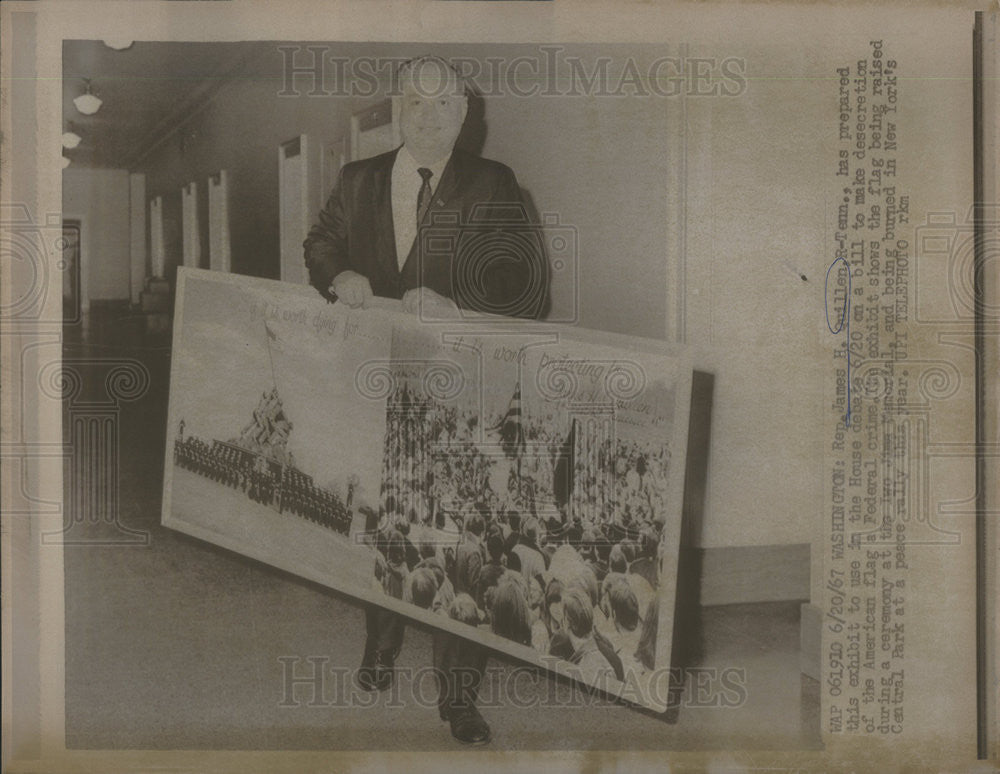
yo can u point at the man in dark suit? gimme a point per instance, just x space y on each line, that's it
365 242
443 230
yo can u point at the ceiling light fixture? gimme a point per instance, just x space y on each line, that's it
118 44
70 138
87 103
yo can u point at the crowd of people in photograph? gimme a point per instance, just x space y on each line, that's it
279 486
573 577
631 482
435 462
573 592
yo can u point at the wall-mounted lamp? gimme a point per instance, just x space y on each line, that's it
87 103
65 162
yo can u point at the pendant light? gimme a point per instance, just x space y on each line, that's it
87 103
70 138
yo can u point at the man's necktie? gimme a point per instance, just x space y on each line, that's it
424 198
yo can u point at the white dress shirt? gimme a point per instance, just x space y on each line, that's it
405 187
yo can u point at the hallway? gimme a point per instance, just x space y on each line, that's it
172 643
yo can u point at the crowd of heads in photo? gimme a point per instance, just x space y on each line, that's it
544 539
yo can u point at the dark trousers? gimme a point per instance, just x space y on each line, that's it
459 664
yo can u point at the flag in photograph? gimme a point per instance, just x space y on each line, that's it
562 477
511 429
272 338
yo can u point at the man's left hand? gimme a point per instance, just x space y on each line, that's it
428 303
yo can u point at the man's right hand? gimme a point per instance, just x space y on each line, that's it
352 288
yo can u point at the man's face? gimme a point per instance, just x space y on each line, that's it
432 111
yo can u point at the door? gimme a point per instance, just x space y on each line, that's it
71 270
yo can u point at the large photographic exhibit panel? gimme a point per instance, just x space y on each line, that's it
520 485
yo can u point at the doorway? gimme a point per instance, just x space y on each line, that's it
70 263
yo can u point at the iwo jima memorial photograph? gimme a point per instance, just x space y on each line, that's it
373 454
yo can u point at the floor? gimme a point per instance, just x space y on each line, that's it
172 643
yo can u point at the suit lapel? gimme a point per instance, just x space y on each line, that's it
450 179
385 233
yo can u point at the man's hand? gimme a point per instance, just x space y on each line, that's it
352 288
429 303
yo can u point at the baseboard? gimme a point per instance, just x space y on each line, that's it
777 573
740 574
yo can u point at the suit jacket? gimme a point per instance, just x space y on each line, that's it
475 245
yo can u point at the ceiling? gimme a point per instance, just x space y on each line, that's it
147 90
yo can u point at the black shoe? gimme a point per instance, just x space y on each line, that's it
365 671
376 671
468 726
